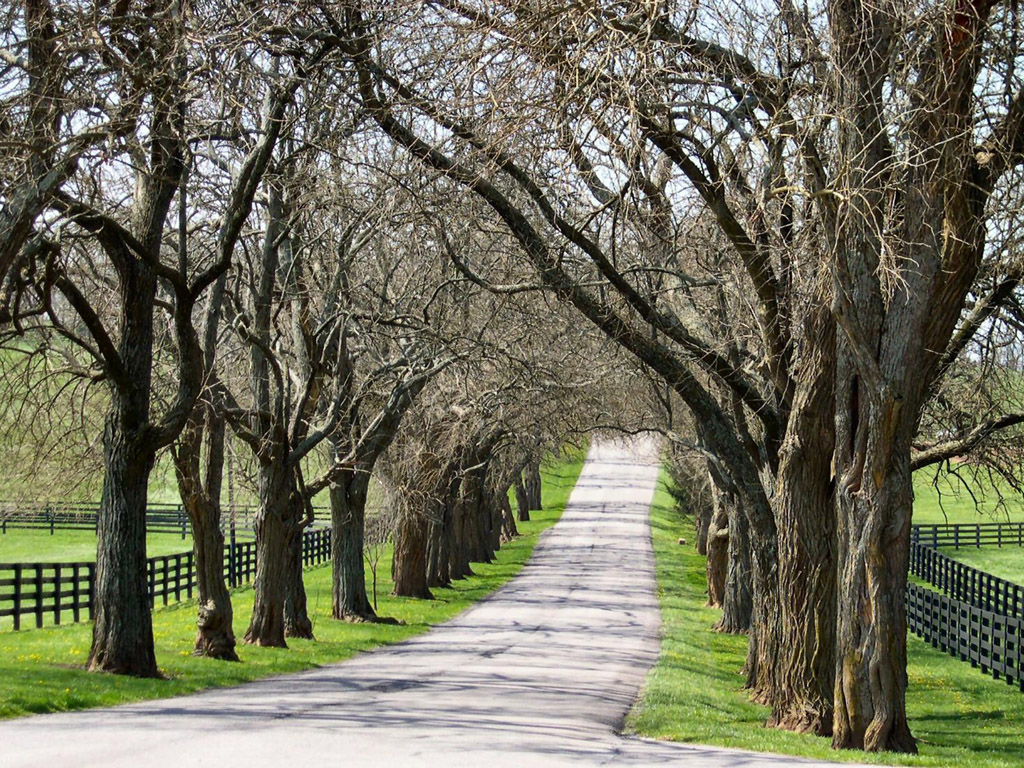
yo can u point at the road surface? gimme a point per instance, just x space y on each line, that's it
540 674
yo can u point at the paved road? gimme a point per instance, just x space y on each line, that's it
540 674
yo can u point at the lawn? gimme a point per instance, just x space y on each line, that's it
960 716
1006 562
41 670
948 501
26 545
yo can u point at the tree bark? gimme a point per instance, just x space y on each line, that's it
717 547
875 499
215 637
296 615
409 564
458 562
737 600
522 501
805 516
349 600
533 485
122 638
508 520
274 526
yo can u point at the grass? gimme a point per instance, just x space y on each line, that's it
948 501
960 716
25 545
1006 562
41 670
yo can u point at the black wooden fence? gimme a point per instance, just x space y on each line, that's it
959 535
56 593
67 516
986 639
974 615
962 582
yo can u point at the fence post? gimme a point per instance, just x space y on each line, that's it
76 593
232 554
39 595
92 589
17 596
56 593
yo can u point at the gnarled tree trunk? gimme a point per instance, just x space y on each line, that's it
508 520
296 615
737 598
215 637
522 500
274 526
874 499
805 516
409 564
717 548
122 637
349 600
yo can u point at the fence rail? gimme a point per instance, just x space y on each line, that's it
160 518
987 639
67 516
962 582
56 593
959 535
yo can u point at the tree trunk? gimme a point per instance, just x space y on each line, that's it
703 516
349 600
472 510
494 519
122 638
874 499
215 638
439 554
458 561
296 616
737 600
274 527
805 516
522 501
508 520
717 551
533 485
409 564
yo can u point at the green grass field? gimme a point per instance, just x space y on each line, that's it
948 501
1006 562
960 716
21 545
41 670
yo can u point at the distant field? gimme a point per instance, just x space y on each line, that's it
1006 562
950 502
21 545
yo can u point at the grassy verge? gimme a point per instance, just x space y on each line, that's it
40 670
961 717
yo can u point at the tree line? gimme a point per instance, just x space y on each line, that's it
426 241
